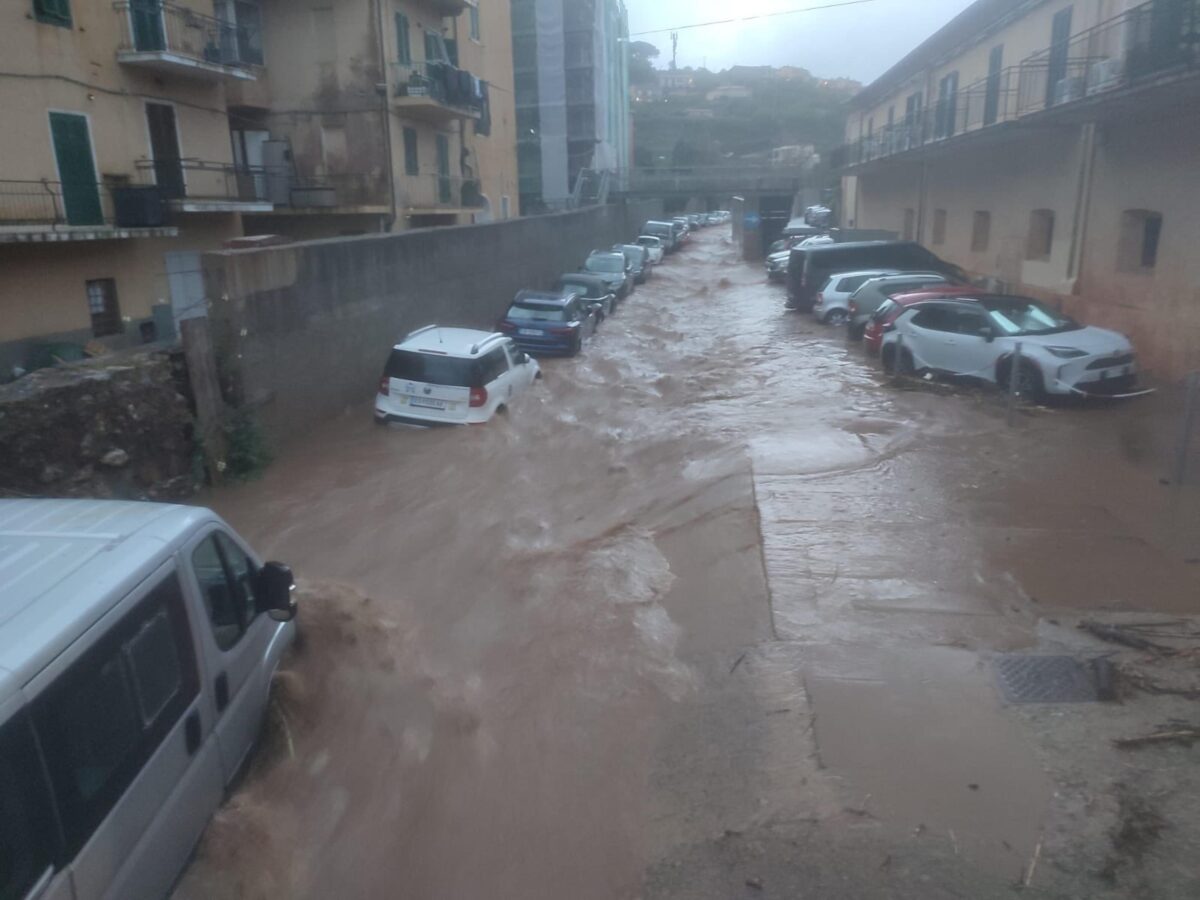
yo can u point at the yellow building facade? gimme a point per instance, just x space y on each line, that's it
1048 146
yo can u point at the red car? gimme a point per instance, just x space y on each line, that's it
891 309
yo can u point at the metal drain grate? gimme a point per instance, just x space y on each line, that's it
1047 679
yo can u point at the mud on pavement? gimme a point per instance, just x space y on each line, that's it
711 614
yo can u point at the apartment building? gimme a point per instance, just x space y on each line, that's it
140 133
1050 145
572 93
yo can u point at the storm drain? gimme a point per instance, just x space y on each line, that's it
1053 679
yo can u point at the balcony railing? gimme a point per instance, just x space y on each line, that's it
1157 39
433 192
440 85
157 32
198 179
47 205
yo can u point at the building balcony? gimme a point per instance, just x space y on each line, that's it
450 8
327 194
201 186
440 195
48 211
436 93
1135 54
171 39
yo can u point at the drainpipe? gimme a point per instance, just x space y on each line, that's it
386 113
922 189
1083 203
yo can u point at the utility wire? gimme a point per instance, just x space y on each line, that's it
771 15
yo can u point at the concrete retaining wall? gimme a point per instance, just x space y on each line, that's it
302 330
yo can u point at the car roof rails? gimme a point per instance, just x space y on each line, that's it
475 348
413 334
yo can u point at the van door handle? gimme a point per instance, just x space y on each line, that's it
222 691
191 733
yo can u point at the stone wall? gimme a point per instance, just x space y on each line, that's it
111 427
301 330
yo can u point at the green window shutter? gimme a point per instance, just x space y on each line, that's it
403 45
53 12
411 166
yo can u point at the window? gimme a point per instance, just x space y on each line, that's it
1141 231
936 318
53 12
473 16
939 227
909 232
1041 235
981 231
411 161
102 304
108 713
493 365
403 41
26 835
226 580
991 100
945 116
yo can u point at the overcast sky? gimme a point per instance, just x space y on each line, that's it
859 42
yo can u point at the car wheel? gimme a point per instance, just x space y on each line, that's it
888 356
855 331
381 420
837 317
1030 383
577 344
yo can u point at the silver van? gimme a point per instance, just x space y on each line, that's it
137 646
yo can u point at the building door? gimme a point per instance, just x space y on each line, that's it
147 19
164 150
443 166
76 169
1060 47
991 101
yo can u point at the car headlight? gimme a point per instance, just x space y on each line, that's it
1067 352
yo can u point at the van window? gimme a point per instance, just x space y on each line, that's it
26 824
103 718
226 580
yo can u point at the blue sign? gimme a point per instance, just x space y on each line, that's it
752 220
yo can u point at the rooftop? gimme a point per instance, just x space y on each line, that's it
446 341
64 563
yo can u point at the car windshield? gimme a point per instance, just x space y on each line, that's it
589 289
610 265
537 312
1020 315
431 368
649 242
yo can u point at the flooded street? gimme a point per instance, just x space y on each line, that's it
710 613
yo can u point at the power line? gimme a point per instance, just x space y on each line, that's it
771 15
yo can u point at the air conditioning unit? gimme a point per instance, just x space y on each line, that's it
1068 89
1103 75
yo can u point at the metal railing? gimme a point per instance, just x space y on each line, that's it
431 191
441 82
199 179
51 204
157 26
734 179
1157 39
337 189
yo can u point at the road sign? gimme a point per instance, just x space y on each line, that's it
752 220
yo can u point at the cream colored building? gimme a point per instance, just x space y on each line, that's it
1050 145
139 133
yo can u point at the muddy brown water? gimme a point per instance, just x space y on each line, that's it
712 576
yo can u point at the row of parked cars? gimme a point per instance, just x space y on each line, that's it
443 375
921 314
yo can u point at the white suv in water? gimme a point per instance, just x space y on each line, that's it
451 376
978 337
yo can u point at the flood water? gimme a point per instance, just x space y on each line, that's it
714 578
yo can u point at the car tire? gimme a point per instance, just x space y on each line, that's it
855 331
577 345
381 420
888 357
1030 383
837 317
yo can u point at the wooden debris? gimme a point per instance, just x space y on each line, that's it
1186 735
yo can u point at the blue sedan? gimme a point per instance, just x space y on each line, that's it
544 323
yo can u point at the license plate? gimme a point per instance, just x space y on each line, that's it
533 332
427 402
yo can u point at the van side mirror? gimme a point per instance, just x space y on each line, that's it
276 591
